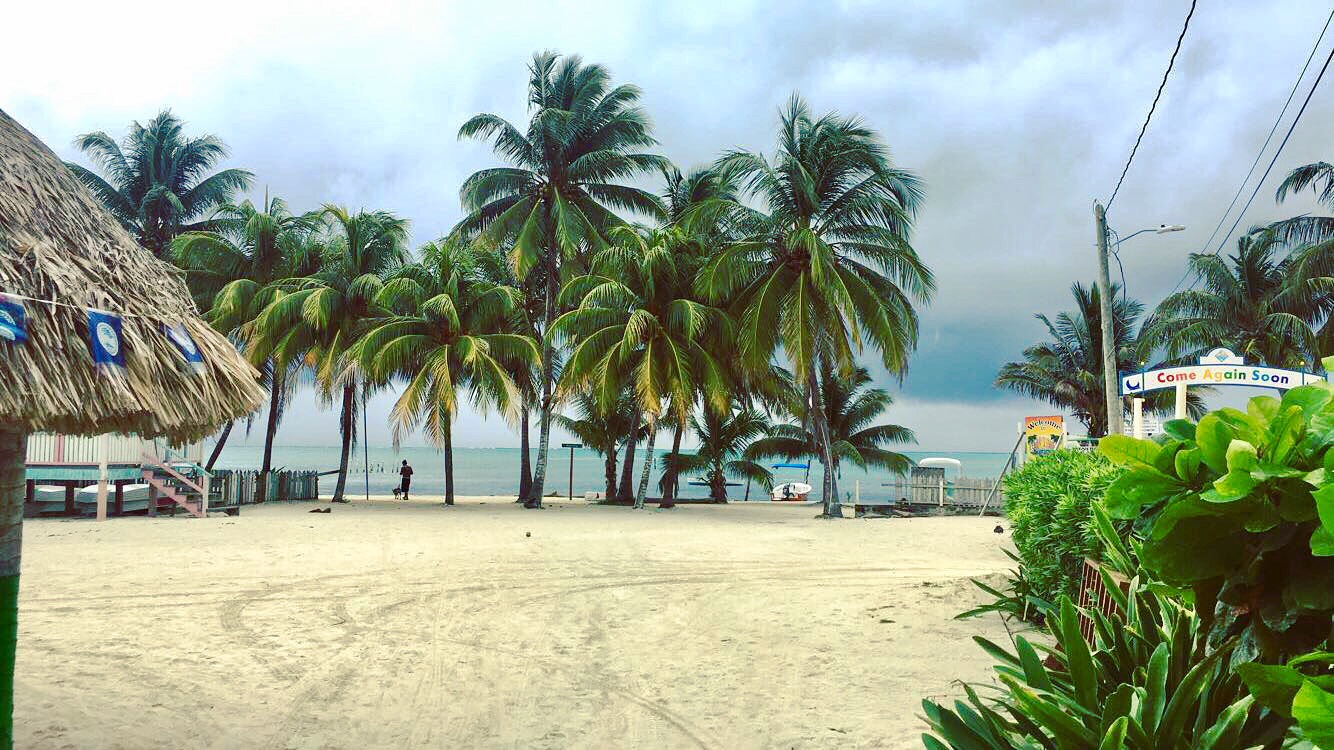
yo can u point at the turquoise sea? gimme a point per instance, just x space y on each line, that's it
495 471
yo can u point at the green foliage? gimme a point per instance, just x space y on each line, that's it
1239 509
1048 504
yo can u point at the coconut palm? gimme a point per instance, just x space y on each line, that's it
600 430
446 331
229 270
557 197
1311 239
317 319
635 323
1309 230
826 266
1246 302
158 182
724 439
853 408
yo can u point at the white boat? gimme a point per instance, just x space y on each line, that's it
791 491
49 498
134 497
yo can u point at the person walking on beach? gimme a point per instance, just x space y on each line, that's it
406 473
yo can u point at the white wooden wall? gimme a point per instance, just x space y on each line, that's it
45 448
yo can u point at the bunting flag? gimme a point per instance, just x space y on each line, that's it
105 341
177 334
13 320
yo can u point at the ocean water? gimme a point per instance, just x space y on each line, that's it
495 471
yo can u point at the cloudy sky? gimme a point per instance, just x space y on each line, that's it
1016 114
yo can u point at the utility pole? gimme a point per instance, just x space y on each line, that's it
1110 385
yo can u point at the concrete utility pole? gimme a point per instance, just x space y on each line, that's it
1110 384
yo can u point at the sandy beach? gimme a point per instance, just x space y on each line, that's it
386 624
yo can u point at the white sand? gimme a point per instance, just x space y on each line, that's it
393 625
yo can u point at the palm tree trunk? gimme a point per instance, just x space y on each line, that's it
609 469
13 452
525 460
640 496
628 468
448 431
673 477
217 447
345 425
718 485
270 429
829 488
544 419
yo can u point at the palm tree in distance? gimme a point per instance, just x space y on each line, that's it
601 430
826 266
555 201
158 182
724 439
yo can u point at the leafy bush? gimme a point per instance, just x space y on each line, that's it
1047 502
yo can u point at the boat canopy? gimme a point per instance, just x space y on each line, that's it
943 463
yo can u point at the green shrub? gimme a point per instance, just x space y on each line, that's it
1047 502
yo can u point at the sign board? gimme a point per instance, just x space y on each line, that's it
1218 367
1043 435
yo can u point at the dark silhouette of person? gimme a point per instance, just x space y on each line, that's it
406 473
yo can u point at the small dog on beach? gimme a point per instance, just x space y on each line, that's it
397 492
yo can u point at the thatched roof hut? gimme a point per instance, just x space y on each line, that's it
58 243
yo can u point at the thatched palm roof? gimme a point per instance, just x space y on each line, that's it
58 243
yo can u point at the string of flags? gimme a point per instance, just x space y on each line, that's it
106 338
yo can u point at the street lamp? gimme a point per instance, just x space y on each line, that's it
1109 384
571 446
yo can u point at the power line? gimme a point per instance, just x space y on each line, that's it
1152 107
1260 154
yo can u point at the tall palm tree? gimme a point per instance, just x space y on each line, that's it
317 319
158 182
853 410
601 429
229 270
557 198
635 323
1311 239
447 331
1245 303
724 439
826 266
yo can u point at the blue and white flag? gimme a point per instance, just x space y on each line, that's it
13 320
105 341
177 334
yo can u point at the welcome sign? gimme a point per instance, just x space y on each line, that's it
1218 367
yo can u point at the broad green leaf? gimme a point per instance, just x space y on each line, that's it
1230 487
1155 689
1313 708
1067 731
1078 658
1322 543
1117 706
1213 438
931 743
1273 686
1295 502
1137 488
1188 464
1315 657
1284 432
1187 695
1225 732
1262 408
1324 505
1181 429
1196 549
1128 451
1311 399
1034 672
1241 456
1115 737
1310 584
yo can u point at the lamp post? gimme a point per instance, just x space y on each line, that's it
571 446
1109 373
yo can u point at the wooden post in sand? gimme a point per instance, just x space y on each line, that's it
102 476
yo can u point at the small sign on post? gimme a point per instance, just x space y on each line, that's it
571 446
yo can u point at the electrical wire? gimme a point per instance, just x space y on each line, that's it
1152 107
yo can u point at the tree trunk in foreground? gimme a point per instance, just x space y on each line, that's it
609 470
718 485
641 496
270 429
217 447
626 491
547 405
345 425
673 475
525 459
449 460
13 452
829 488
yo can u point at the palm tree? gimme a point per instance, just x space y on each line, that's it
853 409
601 430
447 331
229 270
724 439
1246 303
826 266
317 319
1309 230
636 324
1311 284
157 180
555 201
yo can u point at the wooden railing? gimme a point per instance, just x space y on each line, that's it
230 487
46 448
961 492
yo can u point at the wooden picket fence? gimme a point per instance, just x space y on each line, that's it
231 487
1093 595
963 493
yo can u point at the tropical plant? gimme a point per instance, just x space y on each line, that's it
825 265
229 270
1311 239
557 198
852 409
317 319
601 429
158 182
724 437
1066 370
1246 303
634 323
1314 232
446 330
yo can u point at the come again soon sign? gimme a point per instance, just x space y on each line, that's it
1218 367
